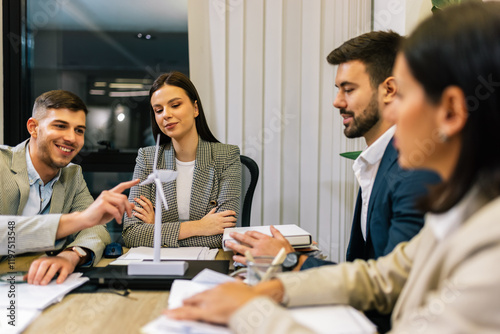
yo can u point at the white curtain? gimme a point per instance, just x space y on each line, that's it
260 68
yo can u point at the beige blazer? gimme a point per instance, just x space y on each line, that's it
451 286
216 183
34 234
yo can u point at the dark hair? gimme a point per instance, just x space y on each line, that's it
377 50
460 46
182 81
57 99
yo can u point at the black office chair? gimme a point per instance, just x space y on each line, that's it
249 177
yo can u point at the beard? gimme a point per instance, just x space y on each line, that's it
362 123
48 157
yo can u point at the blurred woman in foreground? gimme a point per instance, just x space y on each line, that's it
447 278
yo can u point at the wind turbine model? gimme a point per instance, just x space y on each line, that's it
156 267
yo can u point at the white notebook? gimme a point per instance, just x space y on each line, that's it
296 236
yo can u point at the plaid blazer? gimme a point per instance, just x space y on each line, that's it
37 233
216 182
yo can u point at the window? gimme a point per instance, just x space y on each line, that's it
108 53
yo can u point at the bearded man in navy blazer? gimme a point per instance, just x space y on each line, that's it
386 212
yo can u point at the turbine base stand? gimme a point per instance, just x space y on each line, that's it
148 267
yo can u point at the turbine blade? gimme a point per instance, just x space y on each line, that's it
166 175
156 152
159 191
148 180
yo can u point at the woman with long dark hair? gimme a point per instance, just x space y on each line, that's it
447 278
205 197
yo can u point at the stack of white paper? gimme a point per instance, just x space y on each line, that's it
24 302
182 289
181 253
321 319
339 319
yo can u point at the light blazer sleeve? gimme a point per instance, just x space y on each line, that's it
38 233
77 199
28 234
363 285
216 182
262 315
433 286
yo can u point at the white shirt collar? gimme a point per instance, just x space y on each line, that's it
366 168
444 224
374 153
33 175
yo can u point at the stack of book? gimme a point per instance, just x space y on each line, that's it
296 236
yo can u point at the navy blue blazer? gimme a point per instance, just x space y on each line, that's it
392 215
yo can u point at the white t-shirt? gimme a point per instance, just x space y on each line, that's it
184 183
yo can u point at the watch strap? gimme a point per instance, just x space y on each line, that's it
287 265
82 254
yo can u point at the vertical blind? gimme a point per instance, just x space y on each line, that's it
260 68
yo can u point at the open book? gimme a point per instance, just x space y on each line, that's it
296 236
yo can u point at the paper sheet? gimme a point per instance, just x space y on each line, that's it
333 319
39 297
24 317
211 277
24 302
182 289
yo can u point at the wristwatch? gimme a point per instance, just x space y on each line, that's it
79 251
291 261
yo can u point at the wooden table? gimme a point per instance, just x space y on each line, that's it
100 312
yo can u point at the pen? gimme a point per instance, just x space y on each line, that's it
280 257
249 257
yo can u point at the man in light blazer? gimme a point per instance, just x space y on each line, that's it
44 198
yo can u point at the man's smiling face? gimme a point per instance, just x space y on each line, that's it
58 137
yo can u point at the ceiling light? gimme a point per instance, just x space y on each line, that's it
97 92
127 94
126 85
